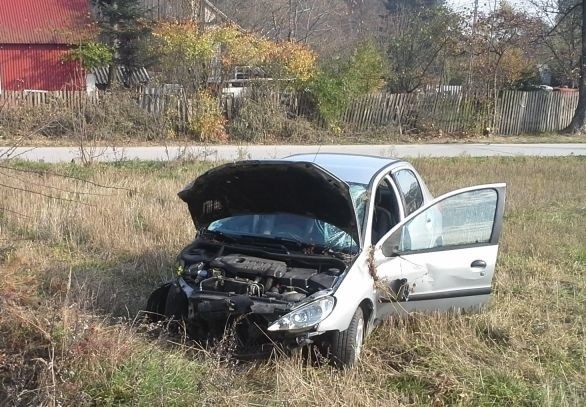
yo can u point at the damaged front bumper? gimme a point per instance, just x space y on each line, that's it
245 319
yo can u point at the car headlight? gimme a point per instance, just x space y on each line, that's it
305 316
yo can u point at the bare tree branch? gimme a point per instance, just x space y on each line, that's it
561 20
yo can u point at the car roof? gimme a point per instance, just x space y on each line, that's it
351 168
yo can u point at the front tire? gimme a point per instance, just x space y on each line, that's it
346 346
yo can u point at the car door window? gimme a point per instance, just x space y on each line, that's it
464 219
410 190
386 210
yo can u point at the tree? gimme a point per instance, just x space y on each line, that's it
398 6
292 20
418 40
578 123
562 38
566 39
331 27
501 42
126 31
336 85
193 56
91 54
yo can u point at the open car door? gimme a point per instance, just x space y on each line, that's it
443 255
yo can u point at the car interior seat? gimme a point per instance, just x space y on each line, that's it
382 223
383 219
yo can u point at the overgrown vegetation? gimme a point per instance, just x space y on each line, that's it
73 275
335 86
117 117
265 120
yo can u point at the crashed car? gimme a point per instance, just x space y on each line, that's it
318 249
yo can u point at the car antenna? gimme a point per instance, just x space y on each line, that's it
316 153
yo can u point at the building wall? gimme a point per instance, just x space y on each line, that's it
38 67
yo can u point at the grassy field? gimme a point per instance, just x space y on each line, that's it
74 273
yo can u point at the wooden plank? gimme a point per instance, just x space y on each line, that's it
456 114
531 116
503 112
393 100
372 106
509 108
363 113
390 109
535 116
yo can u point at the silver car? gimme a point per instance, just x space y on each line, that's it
318 249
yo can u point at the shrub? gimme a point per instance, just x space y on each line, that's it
262 119
206 121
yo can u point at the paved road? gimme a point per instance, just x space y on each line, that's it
233 152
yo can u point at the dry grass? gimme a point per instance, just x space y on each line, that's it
74 274
297 132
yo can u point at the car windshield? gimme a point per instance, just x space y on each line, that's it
302 229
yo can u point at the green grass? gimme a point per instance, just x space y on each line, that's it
151 377
74 274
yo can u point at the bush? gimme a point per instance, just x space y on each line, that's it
336 86
261 120
207 121
116 115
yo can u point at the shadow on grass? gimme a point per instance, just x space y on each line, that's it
117 287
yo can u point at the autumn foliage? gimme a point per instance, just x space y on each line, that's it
229 46
203 60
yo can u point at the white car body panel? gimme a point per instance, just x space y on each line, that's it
356 287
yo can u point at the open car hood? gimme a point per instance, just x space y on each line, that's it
262 187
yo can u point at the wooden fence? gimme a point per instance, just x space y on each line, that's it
534 112
68 99
418 111
512 112
516 112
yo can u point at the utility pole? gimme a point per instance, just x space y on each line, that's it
202 14
472 36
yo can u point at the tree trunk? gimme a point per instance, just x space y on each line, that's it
111 74
578 123
113 65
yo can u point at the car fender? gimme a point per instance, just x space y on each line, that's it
356 286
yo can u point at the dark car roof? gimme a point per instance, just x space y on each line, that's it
348 167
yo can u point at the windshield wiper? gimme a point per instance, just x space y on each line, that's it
217 235
274 240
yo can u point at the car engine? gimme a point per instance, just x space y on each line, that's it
236 273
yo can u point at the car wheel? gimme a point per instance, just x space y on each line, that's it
156 303
176 303
346 346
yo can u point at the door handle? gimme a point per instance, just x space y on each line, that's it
478 264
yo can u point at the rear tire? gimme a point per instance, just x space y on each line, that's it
346 346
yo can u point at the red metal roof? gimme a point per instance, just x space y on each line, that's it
44 21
